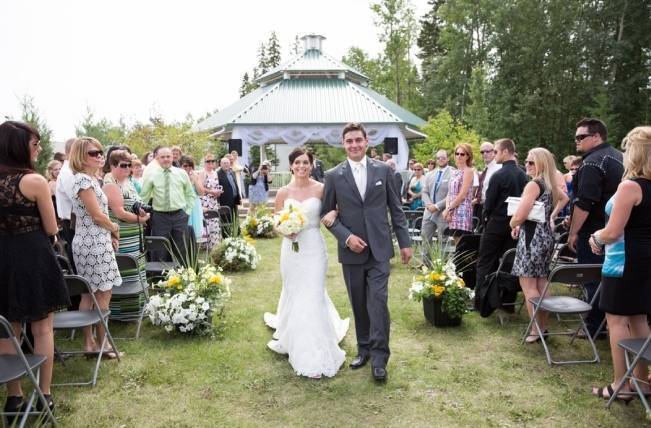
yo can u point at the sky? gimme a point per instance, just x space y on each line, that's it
137 58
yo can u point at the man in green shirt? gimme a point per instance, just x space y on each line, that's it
172 197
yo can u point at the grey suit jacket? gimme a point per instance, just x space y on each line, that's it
439 197
366 218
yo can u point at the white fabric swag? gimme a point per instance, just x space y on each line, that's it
297 135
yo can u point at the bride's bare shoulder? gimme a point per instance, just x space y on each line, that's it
283 192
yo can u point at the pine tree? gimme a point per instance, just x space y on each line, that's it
31 115
273 55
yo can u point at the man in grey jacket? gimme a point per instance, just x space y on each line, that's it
434 194
364 193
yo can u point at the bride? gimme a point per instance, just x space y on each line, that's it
308 327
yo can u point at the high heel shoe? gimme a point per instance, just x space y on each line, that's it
48 399
14 404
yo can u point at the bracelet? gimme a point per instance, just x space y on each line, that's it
597 240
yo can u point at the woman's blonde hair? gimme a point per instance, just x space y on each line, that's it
466 148
637 153
546 170
50 168
78 152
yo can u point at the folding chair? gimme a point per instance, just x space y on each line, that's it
504 270
13 367
129 292
67 320
566 306
155 246
65 265
636 351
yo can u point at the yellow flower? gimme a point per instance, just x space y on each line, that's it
284 217
438 290
174 280
461 283
215 279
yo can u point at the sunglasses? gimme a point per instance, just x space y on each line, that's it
418 169
125 165
95 153
211 160
582 137
461 154
529 163
187 166
484 152
573 169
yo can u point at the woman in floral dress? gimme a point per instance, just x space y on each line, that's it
210 199
458 207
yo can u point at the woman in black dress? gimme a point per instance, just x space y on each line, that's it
626 273
31 282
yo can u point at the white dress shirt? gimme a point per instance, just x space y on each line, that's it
491 168
63 192
359 173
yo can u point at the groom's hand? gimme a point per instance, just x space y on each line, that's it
356 244
405 254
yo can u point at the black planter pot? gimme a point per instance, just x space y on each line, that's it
432 308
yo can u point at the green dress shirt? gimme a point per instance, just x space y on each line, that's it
170 189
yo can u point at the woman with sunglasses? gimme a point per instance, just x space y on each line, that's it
122 195
415 187
210 198
96 236
31 283
458 206
536 240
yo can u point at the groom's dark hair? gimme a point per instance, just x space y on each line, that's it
353 126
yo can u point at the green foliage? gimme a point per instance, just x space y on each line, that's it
103 130
31 115
269 57
329 155
529 70
444 132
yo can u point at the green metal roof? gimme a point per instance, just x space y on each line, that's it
311 101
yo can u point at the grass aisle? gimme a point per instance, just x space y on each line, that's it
475 375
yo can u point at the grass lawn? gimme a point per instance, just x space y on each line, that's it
475 375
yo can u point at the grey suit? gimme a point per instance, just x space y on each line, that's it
367 274
434 221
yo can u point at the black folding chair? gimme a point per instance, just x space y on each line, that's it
67 320
565 306
157 248
132 290
636 351
13 367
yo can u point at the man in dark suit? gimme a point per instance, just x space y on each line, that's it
317 172
231 197
364 193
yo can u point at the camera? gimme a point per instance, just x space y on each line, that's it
137 206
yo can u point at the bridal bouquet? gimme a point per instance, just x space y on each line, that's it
290 221
189 300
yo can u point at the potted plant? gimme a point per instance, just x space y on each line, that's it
258 224
444 294
189 300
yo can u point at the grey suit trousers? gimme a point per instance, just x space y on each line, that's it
368 291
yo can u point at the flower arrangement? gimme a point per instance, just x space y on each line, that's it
440 282
235 254
289 222
259 224
189 300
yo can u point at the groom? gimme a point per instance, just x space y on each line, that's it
364 193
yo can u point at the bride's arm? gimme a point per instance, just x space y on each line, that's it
329 219
279 204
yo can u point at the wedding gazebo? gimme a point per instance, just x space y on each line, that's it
309 99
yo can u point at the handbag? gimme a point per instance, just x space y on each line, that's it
536 214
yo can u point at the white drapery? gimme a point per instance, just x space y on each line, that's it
297 135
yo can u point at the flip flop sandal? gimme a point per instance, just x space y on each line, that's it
625 397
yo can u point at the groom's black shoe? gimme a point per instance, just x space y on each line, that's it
380 374
359 361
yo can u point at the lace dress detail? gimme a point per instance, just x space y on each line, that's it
31 282
210 202
308 327
462 215
91 246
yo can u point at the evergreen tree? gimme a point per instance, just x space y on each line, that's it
273 54
30 114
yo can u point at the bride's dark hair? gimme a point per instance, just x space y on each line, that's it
300 151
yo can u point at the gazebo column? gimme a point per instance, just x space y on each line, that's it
263 152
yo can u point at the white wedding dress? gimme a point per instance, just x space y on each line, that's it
308 327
